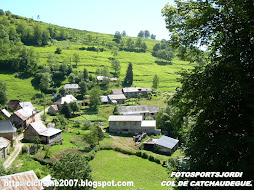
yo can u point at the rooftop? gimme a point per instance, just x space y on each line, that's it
69 86
68 99
41 129
27 104
55 107
28 176
104 98
125 118
167 142
116 97
50 132
138 109
136 89
6 127
24 113
4 142
117 91
6 113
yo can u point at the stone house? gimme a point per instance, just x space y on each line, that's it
13 105
47 135
7 130
23 117
130 124
143 110
135 91
4 147
116 99
101 79
53 109
71 88
68 99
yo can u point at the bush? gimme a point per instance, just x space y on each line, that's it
144 155
151 158
124 151
157 160
42 161
90 156
58 51
24 150
139 153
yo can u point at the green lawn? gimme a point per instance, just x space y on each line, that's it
110 165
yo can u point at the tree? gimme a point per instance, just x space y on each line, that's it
45 37
85 72
114 51
117 37
58 50
72 166
66 110
37 141
141 34
115 64
165 54
155 81
143 46
129 76
138 43
123 33
76 58
3 93
62 91
74 107
153 36
83 88
217 97
147 34
45 81
37 34
95 98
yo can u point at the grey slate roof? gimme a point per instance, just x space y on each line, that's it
6 127
71 86
138 109
117 91
116 97
125 118
27 104
167 142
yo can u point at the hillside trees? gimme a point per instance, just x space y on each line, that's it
83 88
155 81
128 80
95 98
218 97
163 51
115 64
76 58
3 93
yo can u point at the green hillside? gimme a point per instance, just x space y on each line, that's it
19 32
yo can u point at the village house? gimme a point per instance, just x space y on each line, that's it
164 144
47 135
116 99
28 177
104 99
117 91
71 88
7 130
68 99
53 109
101 79
135 91
143 110
13 105
4 147
5 114
27 104
23 117
131 124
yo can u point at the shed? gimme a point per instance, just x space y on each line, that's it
166 144
7 130
53 109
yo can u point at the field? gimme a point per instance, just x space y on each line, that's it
108 165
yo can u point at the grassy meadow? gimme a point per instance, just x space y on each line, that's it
109 165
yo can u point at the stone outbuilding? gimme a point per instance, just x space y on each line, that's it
5 145
7 130
23 117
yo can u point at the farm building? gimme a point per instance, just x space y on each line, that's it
13 105
134 91
164 144
27 104
53 109
5 114
68 99
143 110
131 124
7 130
28 177
47 135
71 88
22 117
116 99
4 147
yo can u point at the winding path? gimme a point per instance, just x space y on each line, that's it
16 151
